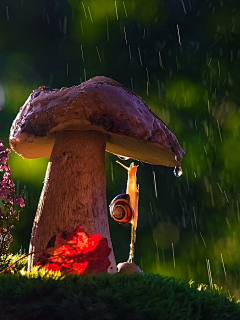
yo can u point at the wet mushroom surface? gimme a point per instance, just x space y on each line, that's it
74 127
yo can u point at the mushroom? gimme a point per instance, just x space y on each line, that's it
74 126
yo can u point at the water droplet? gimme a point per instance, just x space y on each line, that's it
177 171
123 158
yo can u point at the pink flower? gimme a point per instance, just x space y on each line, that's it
19 201
1 145
10 203
4 156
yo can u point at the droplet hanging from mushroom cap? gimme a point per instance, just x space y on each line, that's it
178 171
123 157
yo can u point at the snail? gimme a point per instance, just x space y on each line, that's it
124 207
120 209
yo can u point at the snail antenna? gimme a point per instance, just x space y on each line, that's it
123 166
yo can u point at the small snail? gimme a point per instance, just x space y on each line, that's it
124 207
120 209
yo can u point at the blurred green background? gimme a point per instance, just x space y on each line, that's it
183 58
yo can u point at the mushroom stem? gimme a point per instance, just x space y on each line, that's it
74 192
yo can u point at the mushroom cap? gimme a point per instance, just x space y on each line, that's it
101 104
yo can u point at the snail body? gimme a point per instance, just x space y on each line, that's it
132 190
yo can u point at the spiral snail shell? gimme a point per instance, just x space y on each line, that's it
120 209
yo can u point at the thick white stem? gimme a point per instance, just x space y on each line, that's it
74 192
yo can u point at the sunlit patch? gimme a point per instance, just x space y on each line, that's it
16 93
76 252
38 272
27 170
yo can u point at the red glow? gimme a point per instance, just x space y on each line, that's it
77 252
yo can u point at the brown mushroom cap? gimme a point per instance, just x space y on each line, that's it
101 104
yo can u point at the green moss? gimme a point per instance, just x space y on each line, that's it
19 261
138 296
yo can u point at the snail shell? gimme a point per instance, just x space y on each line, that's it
120 209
